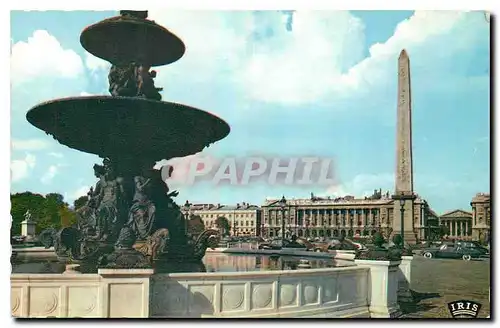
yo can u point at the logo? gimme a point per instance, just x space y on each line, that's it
464 309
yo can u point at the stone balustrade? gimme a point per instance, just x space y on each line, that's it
108 294
367 289
336 292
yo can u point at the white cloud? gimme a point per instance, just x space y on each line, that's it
363 185
29 144
57 155
50 174
85 94
305 64
82 191
95 64
20 168
70 197
409 34
43 55
320 58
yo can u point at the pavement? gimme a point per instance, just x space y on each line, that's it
435 282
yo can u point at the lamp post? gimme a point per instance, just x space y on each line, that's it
282 205
402 197
187 206
486 223
234 224
402 210
351 221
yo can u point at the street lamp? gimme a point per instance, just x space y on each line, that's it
282 205
351 221
486 222
187 206
402 202
234 224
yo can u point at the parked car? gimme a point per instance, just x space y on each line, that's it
337 244
474 245
277 244
274 244
452 252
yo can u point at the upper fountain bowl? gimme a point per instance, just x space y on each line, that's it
131 37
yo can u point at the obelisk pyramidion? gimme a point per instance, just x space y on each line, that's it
404 160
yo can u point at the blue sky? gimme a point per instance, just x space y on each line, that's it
289 84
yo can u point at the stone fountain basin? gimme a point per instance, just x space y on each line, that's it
118 126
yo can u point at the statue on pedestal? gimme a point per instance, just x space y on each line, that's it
133 80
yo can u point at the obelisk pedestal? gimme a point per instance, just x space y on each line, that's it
404 196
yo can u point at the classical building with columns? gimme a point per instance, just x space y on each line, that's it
343 216
459 224
481 215
243 218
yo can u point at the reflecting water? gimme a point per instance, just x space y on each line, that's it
242 263
211 263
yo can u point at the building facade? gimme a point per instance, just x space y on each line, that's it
243 219
481 215
458 223
344 216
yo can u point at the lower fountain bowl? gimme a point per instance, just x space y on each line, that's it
108 126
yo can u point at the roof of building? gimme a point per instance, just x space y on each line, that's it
221 207
347 200
456 213
481 197
433 213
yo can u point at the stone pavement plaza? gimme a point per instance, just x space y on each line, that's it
436 282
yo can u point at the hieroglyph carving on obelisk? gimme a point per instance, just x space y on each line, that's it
404 165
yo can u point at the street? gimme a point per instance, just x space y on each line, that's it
435 282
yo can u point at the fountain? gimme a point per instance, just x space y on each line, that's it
142 255
130 219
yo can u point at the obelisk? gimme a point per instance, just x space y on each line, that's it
404 195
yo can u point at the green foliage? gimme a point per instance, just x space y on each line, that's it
378 239
46 211
223 224
196 225
443 231
80 202
397 240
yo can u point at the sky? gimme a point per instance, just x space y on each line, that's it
289 84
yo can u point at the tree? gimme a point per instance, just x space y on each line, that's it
51 216
67 216
443 231
48 211
79 202
223 224
195 224
22 202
